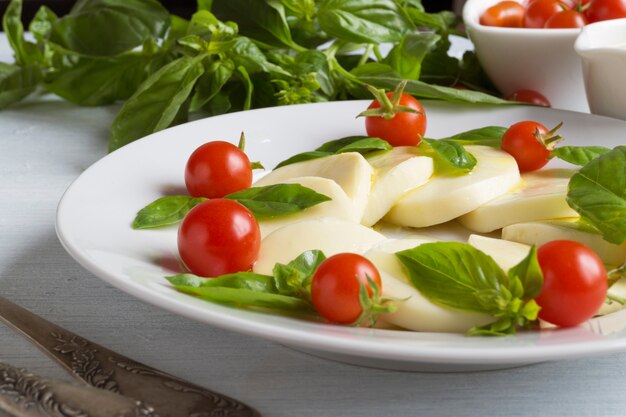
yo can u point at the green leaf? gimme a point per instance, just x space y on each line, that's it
248 298
406 57
487 136
579 155
41 25
277 200
307 62
301 157
442 22
110 27
529 273
448 156
598 193
363 21
17 82
382 76
165 211
294 278
457 276
26 53
211 82
157 102
360 144
241 280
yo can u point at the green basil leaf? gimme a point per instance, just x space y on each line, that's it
363 21
241 280
110 27
204 22
360 144
406 57
211 82
598 193
157 102
457 276
529 273
382 76
307 62
165 211
248 298
442 22
488 136
579 155
99 81
26 53
448 156
304 156
295 278
17 82
277 200
41 25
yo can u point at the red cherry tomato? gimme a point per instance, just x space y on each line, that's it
218 237
336 285
508 14
529 96
539 11
404 129
566 19
217 169
524 141
605 10
574 283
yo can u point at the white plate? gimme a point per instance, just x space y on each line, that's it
95 214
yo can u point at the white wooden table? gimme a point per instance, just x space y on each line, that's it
46 143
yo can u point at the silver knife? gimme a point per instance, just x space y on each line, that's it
102 368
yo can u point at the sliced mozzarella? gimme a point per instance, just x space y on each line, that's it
340 206
350 170
506 254
395 172
542 232
539 196
329 235
413 310
444 198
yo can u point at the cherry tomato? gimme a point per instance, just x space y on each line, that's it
217 169
529 96
218 237
402 128
566 19
605 10
574 283
529 143
539 11
336 285
508 14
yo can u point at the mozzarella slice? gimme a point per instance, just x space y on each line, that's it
444 198
395 172
539 196
340 206
413 310
329 235
349 170
542 232
506 254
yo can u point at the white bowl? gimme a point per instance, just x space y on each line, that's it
602 47
516 59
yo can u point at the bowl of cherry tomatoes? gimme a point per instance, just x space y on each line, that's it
529 44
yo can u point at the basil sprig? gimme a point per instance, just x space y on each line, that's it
287 289
264 203
448 156
598 193
459 276
579 155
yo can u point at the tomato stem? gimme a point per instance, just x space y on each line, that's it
389 107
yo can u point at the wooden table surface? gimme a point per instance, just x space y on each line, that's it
45 144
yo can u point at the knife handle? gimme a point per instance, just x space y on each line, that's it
102 368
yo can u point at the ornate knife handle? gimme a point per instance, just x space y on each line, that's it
102 368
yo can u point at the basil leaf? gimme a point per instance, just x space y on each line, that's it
360 144
42 22
488 136
456 275
165 211
295 278
248 298
304 156
598 193
110 27
26 53
17 82
307 62
529 273
363 21
382 76
579 155
442 22
241 280
211 82
157 102
448 156
277 200
406 57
